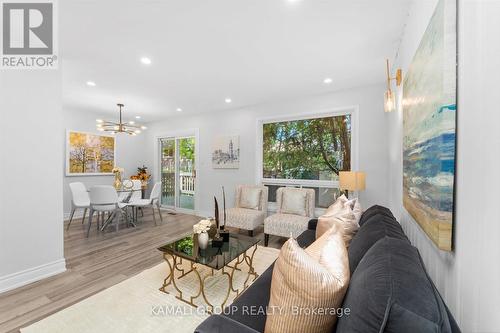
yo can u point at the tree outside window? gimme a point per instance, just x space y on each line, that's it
307 149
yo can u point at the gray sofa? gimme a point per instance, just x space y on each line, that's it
389 290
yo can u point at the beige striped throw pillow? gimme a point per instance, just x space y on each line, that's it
308 285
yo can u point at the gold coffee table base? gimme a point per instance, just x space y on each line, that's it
176 265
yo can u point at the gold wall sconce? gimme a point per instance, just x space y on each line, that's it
389 96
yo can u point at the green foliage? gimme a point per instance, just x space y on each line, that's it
142 170
168 147
304 149
186 245
186 154
186 148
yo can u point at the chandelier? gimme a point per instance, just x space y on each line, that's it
130 127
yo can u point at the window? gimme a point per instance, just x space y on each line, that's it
307 152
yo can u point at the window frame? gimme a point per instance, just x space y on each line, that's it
347 110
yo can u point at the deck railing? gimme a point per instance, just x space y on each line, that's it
186 183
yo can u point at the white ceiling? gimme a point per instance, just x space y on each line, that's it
254 51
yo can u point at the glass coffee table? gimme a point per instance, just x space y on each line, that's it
225 260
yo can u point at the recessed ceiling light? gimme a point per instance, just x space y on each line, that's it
91 83
228 100
178 110
131 122
146 61
327 80
137 117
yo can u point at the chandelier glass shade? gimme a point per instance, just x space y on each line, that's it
389 96
112 127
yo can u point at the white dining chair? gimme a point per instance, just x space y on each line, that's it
124 195
79 199
130 186
135 195
154 200
104 198
136 190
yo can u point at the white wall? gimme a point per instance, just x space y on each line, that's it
31 233
373 157
467 278
130 152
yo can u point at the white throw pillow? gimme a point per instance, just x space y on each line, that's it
356 208
250 197
294 202
337 206
345 213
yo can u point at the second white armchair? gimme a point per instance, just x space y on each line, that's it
295 207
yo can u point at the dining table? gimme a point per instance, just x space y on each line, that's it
125 190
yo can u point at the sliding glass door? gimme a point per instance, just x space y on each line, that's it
178 172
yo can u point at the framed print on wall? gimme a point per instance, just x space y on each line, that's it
429 128
89 154
226 152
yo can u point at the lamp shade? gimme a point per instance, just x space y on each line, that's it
389 101
352 180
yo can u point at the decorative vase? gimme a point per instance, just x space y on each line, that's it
203 240
213 229
118 180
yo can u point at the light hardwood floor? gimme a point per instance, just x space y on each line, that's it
94 264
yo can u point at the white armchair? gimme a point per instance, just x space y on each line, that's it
251 208
295 207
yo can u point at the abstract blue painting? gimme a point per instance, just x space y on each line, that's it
429 127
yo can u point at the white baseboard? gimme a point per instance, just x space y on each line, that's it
205 214
19 279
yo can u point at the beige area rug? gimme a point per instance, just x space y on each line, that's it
136 305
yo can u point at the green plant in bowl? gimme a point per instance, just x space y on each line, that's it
186 245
